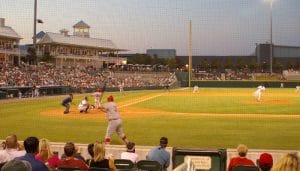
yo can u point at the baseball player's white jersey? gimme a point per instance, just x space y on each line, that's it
97 96
258 92
297 89
196 89
83 106
111 111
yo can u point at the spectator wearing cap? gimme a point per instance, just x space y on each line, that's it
241 159
31 145
13 149
16 165
130 153
289 162
265 162
160 154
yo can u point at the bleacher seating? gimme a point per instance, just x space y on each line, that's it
149 165
98 169
245 168
67 169
124 165
1 164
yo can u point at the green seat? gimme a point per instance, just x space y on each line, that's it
124 165
67 169
149 165
245 168
98 169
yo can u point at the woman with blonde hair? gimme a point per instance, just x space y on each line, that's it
289 162
45 154
99 159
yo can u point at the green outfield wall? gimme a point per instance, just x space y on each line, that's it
246 84
183 80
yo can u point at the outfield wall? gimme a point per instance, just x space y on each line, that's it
142 151
245 84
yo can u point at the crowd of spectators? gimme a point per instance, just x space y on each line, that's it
37 155
78 77
228 74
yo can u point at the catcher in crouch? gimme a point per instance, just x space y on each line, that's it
114 120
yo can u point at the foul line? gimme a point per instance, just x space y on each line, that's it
142 100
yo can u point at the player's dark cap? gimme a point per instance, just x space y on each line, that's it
110 98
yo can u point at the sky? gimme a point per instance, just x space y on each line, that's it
219 27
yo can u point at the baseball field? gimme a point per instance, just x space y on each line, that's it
210 118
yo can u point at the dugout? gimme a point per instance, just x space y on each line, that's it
202 159
2 95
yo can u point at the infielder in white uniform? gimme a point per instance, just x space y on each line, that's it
114 120
84 105
196 89
258 92
297 89
97 96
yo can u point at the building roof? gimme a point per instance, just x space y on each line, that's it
81 24
78 41
40 34
8 32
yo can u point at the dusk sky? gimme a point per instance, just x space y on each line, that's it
220 27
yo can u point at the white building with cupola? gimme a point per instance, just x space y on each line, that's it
9 41
79 48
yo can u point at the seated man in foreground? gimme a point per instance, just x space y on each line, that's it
160 154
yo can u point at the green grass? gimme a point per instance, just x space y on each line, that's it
23 118
232 103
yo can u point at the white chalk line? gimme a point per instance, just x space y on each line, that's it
142 100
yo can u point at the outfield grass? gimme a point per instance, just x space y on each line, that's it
23 118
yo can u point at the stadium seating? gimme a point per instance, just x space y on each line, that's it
124 165
245 168
149 165
67 169
98 169
2 164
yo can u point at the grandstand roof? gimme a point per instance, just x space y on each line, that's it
81 24
56 38
8 32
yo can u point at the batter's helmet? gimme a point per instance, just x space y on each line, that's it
110 98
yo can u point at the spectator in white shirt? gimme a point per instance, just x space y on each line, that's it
13 149
130 153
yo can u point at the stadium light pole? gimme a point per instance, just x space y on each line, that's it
190 54
271 36
35 21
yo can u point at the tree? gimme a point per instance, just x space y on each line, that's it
47 57
216 64
228 63
253 66
240 64
31 56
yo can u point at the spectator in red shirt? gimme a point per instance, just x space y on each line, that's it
70 160
241 159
